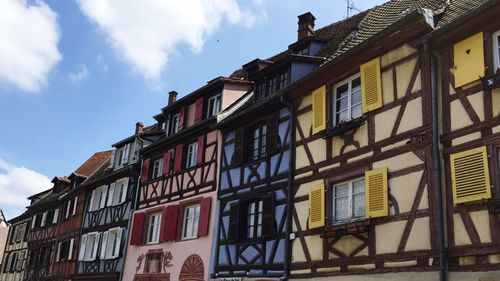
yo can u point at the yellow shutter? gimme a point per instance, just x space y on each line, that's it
376 193
469 60
319 110
470 178
371 85
317 206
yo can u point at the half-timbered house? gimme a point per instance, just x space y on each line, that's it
257 159
107 207
15 249
4 232
364 190
171 236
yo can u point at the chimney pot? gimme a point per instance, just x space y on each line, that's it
172 97
306 26
139 126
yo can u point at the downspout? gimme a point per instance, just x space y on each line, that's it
291 167
437 164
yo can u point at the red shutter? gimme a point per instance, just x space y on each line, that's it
205 206
178 157
198 113
201 149
164 223
171 213
167 158
182 117
137 228
145 171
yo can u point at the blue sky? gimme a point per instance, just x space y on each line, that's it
81 73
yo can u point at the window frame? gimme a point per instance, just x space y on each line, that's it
214 108
173 127
121 184
156 173
97 207
496 50
333 96
261 141
257 215
152 226
332 204
191 155
91 256
113 246
196 221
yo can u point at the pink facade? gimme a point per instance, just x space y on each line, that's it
4 231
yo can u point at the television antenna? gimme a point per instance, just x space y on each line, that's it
350 7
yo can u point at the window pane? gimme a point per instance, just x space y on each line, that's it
341 104
342 91
356 83
356 111
358 205
342 190
359 186
342 116
341 208
356 96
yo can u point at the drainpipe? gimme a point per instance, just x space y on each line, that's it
291 167
437 165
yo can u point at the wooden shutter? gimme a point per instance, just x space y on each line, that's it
468 56
75 203
163 225
182 117
112 188
234 219
178 157
96 246
112 160
70 252
317 206
83 243
118 242
204 221
238 146
376 193
137 228
470 177
319 110
268 216
167 159
145 170
172 213
58 251
198 113
371 85
104 195
201 149
104 244
124 190
91 203
272 133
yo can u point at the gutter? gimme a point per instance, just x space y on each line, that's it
436 153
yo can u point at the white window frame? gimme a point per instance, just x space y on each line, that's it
347 81
118 192
112 245
350 196
254 219
496 51
157 168
173 127
191 156
154 225
190 222
97 203
259 141
90 250
214 105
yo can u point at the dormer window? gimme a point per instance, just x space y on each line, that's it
270 85
213 105
123 154
260 90
282 80
173 125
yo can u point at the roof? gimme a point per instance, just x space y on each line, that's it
147 131
93 163
456 9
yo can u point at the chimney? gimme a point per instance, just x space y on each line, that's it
306 26
138 127
172 97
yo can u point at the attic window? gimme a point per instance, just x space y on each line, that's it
354 33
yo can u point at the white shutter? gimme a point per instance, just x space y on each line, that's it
96 246
112 160
103 197
126 153
74 205
118 243
124 190
111 194
44 219
70 253
33 222
67 209
83 243
58 251
104 244
56 216
91 204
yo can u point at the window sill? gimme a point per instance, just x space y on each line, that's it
352 227
344 127
491 81
494 206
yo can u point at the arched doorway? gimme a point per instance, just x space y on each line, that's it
192 269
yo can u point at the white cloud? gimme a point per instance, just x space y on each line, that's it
18 183
146 33
79 76
29 34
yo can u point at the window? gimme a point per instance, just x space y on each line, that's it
192 152
173 126
258 141
157 168
34 256
36 221
88 246
71 207
254 219
270 85
282 80
348 201
154 228
153 262
19 232
111 243
118 194
496 51
190 221
98 198
347 100
260 90
123 154
20 260
213 106
65 250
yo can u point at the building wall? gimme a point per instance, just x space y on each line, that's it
4 232
15 247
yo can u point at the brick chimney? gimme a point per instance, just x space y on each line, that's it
172 97
306 26
139 126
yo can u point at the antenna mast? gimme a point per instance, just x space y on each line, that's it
350 6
